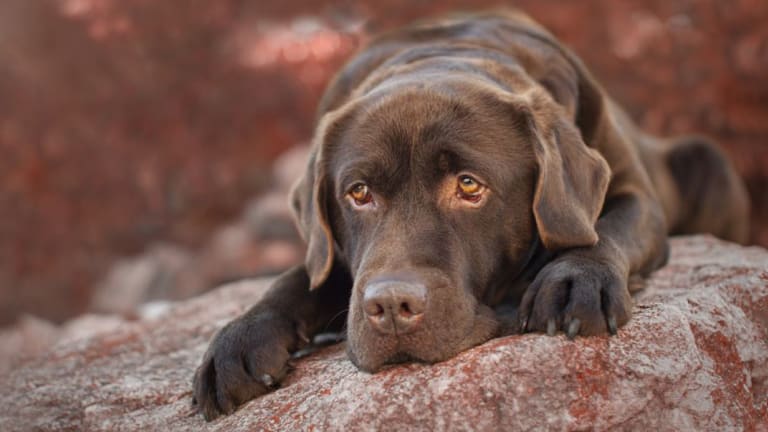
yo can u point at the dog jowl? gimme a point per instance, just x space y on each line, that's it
469 178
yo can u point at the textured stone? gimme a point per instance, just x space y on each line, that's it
693 357
263 240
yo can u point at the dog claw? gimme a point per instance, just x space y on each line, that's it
267 380
613 328
523 325
573 328
551 328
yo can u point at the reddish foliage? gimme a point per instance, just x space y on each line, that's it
124 123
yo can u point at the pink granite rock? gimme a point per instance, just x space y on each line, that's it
693 357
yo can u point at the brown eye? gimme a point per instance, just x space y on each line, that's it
469 188
361 194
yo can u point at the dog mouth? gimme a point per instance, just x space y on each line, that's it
371 352
402 357
386 361
373 361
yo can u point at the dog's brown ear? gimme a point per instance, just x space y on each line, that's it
310 203
570 190
572 178
310 212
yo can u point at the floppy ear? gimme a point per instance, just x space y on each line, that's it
572 178
308 203
570 189
310 200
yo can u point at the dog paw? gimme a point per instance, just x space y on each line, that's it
578 295
246 359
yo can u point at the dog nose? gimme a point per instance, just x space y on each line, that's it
394 306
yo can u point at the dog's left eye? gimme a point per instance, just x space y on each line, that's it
361 194
469 188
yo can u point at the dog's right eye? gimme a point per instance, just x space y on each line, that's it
470 189
361 195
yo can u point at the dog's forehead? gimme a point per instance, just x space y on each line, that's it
421 121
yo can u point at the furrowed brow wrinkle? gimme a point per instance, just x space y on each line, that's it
460 156
368 172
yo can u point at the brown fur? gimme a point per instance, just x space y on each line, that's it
578 201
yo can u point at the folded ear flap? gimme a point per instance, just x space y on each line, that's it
570 189
310 201
572 178
310 212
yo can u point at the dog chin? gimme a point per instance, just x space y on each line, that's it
373 365
370 351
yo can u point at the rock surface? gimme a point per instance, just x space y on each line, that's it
693 357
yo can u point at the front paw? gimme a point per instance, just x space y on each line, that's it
578 294
246 359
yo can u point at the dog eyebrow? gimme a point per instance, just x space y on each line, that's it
457 157
374 173
348 176
448 157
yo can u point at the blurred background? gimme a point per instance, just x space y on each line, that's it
147 147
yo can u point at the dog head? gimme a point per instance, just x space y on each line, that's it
431 192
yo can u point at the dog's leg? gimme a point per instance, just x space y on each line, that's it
585 290
249 356
711 196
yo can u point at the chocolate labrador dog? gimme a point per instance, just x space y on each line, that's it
469 178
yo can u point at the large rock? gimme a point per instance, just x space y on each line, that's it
693 357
